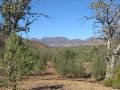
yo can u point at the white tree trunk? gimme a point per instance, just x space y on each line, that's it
111 62
110 67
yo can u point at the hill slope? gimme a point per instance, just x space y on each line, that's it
36 43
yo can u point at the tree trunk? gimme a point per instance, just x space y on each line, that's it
111 62
110 68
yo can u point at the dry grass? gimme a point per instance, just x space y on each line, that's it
66 85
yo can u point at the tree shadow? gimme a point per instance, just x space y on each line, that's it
52 87
90 81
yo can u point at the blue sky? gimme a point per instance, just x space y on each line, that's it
67 20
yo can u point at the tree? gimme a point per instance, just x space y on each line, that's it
18 61
14 11
16 16
107 16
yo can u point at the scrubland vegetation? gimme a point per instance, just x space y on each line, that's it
19 59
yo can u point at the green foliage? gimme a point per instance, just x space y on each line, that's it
99 66
17 61
116 82
84 52
14 11
67 63
108 82
41 57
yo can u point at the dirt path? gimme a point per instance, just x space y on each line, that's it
52 81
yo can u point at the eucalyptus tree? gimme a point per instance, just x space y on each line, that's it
13 12
106 14
17 16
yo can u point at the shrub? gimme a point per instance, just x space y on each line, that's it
108 82
17 60
67 63
116 82
99 66
41 58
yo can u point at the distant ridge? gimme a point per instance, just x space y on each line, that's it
36 43
65 42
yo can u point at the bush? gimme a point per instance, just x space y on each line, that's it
99 66
67 63
41 58
116 82
17 60
108 82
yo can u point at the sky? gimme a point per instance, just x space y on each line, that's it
65 20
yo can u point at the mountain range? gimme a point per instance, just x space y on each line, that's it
65 42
